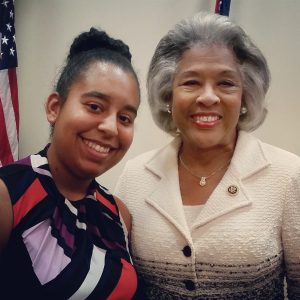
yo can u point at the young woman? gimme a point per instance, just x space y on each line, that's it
60 231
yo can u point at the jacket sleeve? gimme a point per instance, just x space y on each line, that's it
291 236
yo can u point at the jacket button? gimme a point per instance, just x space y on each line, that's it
187 251
190 285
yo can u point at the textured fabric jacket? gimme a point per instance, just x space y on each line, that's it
243 241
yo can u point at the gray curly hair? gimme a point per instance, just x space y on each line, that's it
207 29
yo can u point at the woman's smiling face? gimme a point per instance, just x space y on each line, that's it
207 95
93 129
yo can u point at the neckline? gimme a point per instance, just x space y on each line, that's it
50 185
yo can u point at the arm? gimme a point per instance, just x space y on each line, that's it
121 185
6 216
291 237
121 192
124 214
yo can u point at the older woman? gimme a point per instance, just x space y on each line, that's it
216 213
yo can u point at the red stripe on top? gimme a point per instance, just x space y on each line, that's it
217 7
6 156
33 195
105 202
127 284
12 77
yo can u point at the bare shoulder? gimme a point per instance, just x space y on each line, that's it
6 215
124 212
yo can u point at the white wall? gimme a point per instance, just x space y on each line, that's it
45 29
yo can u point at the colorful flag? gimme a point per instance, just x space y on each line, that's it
222 7
9 107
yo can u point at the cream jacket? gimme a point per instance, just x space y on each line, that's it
241 243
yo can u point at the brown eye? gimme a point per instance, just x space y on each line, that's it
94 107
125 119
227 83
190 82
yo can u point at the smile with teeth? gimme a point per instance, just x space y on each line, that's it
206 119
97 147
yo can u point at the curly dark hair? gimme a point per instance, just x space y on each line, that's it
87 48
95 39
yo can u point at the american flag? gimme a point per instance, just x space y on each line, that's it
222 7
9 108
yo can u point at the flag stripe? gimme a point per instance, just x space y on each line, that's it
222 7
9 115
13 83
9 110
5 153
217 7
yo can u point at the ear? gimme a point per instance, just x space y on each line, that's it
52 107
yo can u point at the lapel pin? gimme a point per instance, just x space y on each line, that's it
233 190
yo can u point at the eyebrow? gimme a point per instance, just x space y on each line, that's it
107 98
229 72
98 95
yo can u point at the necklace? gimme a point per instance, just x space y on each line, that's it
203 179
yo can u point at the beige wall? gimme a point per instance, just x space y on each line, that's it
45 29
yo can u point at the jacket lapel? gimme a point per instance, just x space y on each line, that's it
248 159
166 197
231 193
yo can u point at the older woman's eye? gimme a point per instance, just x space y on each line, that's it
190 82
227 83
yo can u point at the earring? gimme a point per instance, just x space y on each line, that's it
244 110
168 108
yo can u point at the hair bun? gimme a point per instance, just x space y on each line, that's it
95 39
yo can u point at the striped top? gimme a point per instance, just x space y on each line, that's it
59 249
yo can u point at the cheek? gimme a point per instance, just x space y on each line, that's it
179 95
180 108
234 103
126 137
233 113
178 105
183 99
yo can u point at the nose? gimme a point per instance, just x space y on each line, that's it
109 125
207 96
